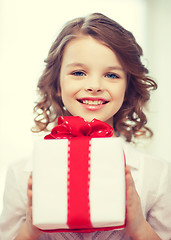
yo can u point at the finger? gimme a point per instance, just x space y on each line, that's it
29 190
29 193
31 213
127 169
130 187
129 179
30 181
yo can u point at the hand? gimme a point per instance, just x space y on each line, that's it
28 231
32 230
135 222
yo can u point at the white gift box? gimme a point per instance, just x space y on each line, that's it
106 186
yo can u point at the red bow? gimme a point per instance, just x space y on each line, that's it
70 126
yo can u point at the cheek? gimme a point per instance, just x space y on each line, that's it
64 93
118 92
64 86
70 87
68 91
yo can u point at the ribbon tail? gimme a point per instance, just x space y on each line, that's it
78 183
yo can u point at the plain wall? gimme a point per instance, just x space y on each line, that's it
158 52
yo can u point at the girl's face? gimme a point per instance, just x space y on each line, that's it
92 80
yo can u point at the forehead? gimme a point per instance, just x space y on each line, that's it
85 48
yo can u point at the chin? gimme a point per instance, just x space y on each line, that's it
90 118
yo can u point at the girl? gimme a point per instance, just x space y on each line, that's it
94 70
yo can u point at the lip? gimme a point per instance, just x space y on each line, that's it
92 103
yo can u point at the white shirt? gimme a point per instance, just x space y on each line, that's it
152 180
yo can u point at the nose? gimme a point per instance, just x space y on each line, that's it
93 90
93 85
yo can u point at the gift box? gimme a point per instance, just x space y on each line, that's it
79 179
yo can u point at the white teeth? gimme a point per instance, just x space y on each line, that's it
90 102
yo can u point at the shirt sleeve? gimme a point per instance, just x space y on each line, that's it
15 200
159 215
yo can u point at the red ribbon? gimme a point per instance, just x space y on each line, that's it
70 126
79 132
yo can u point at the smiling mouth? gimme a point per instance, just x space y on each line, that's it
92 102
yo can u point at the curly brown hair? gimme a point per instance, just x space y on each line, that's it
130 120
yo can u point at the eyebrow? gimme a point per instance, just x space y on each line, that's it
76 65
83 65
115 68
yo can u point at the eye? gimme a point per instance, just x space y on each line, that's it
112 75
78 73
